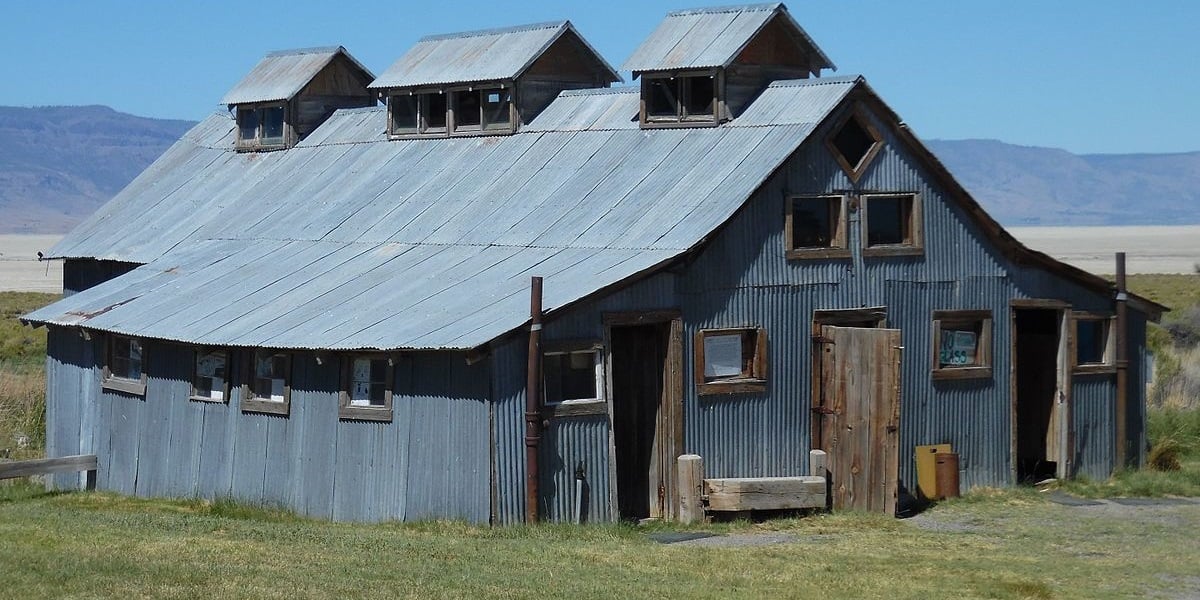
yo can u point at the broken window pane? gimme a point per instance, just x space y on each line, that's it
660 98
814 222
496 109
700 94
208 379
270 376
1091 341
272 124
466 110
570 376
368 382
247 119
125 360
433 112
889 220
853 141
404 113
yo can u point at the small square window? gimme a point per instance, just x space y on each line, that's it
854 144
1094 343
687 98
572 376
433 112
268 388
661 99
815 227
892 224
247 119
366 392
260 127
731 360
124 365
700 96
962 344
403 109
467 114
497 110
210 376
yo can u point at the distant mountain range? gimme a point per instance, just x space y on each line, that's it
59 163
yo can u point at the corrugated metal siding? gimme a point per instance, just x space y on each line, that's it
1093 412
508 398
565 444
281 75
1137 380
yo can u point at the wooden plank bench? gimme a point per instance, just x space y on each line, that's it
698 495
44 466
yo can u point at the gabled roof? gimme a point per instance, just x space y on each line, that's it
349 241
281 75
485 55
713 37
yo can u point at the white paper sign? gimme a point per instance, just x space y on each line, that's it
722 355
958 348
277 390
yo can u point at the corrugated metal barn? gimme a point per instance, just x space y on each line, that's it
323 303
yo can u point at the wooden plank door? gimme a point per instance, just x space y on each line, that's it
860 415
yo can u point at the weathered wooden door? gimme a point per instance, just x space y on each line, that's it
860 415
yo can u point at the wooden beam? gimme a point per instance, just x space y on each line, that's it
691 489
42 466
765 493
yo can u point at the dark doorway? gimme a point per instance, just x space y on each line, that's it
639 380
1038 435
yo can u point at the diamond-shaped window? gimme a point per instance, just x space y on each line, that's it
854 143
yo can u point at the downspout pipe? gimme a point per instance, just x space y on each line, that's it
1122 363
533 396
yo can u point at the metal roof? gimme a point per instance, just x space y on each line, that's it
351 241
281 75
474 56
712 37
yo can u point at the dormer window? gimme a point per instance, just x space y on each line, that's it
260 127
457 112
673 100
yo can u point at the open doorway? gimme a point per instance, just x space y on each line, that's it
1038 395
647 431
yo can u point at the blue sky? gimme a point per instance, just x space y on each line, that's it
1099 76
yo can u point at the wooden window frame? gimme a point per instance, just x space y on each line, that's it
754 381
254 403
578 406
257 144
839 246
914 244
681 118
117 383
451 129
859 114
351 412
226 388
1108 363
946 319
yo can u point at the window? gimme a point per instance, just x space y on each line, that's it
268 388
680 99
962 344
1094 343
124 365
429 113
366 392
210 375
731 360
854 143
260 127
815 227
891 224
572 375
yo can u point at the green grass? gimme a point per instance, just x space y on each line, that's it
997 544
22 377
20 343
1174 291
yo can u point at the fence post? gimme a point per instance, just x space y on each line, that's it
691 482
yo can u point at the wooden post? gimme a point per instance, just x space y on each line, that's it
691 483
818 466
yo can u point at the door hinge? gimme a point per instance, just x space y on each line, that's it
823 410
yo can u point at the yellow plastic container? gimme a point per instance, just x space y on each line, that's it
927 469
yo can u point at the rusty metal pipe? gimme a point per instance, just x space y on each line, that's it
1122 364
533 395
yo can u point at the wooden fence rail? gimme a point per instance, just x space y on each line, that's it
43 466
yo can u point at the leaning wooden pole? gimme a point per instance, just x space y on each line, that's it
1122 364
533 395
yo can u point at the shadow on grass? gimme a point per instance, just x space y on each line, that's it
20 490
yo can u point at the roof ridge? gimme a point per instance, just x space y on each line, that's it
779 83
302 51
496 31
625 89
713 10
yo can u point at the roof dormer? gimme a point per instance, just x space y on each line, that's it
487 82
289 93
703 66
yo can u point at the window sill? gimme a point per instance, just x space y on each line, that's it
129 386
208 400
817 253
678 124
270 407
1096 369
962 373
576 408
382 414
732 386
896 250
